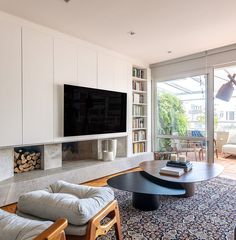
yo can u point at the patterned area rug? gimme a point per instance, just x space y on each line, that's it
209 215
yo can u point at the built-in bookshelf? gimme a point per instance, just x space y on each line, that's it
139 121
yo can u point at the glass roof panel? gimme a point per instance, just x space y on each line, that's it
185 86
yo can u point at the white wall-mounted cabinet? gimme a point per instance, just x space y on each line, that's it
112 73
37 86
10 80
35 63
87 67
65 72
106 72
121 76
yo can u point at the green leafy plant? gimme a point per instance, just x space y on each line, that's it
171 117
202 120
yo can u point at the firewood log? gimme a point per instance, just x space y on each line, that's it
16 170
19 162
21 168
37 166
24 160
16 155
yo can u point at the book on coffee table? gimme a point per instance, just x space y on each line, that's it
173 171
187 166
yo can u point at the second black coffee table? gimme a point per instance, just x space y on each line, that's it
145 193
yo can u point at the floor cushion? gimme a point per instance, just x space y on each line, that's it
75 202
13 227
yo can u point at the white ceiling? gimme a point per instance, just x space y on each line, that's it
182 26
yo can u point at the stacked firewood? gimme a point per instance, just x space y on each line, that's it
26 161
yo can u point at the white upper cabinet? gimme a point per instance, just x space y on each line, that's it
10 79
121 76
112 73
65 72
106 72
87 67
37 87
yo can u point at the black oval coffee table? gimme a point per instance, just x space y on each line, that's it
145 193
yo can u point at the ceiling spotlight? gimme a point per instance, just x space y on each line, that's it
66 0
169 52
131 33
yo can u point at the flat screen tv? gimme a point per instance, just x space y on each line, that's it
92 111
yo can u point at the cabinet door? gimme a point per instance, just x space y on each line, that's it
106 72
121 76
10 90
87 67
65 72
37 87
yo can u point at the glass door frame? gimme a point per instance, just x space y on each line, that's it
209 73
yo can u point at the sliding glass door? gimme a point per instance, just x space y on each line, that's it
180 118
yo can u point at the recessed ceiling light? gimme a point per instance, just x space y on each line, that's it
131 33
169 52
66 0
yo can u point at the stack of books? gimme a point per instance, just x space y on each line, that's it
173 171
186 166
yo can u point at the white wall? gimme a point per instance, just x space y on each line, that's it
35 63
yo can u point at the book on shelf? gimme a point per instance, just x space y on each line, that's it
136 98
139 135
138 110
138 122
138 147
139 73
139 86
173 171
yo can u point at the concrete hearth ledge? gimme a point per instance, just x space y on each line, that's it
71 171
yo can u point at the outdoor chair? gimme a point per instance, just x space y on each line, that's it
186 146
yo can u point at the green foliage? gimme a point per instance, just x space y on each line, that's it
202 119
171 116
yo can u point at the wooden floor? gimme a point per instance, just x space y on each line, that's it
229 166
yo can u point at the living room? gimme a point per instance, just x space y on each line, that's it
97 97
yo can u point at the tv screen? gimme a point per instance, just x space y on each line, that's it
92 111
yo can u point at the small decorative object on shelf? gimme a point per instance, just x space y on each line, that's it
109 151
139 109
